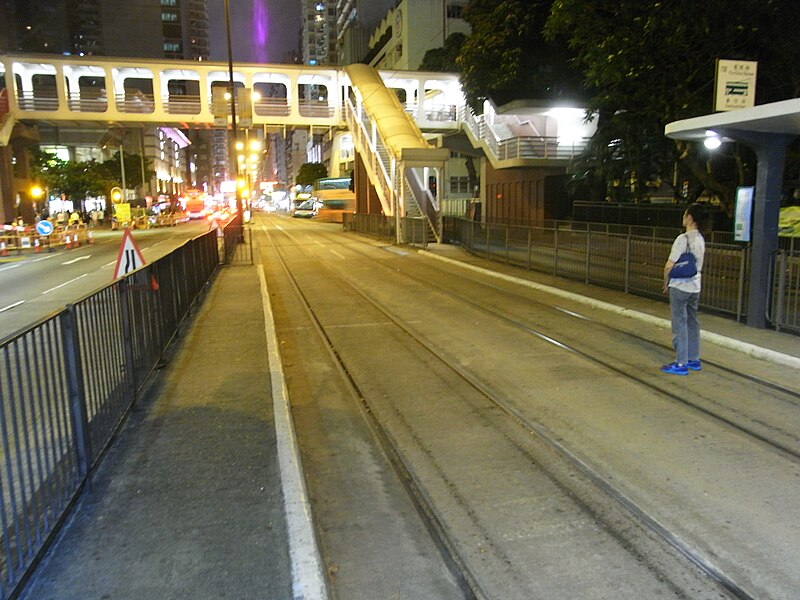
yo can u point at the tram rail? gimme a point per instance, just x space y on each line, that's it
522 421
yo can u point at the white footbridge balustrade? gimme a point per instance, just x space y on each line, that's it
181 93
385 111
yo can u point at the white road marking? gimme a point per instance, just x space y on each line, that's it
44 257
74 260
308 575
63 284
8 267
10 306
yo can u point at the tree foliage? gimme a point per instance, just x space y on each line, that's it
81 179
444 59
310 172
506 55
651 62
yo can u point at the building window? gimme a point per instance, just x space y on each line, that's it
169 2
172 46
459 185
169 17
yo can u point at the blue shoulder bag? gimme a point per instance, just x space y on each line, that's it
686 265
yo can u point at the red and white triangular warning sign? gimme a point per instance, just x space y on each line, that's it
130 257
215 225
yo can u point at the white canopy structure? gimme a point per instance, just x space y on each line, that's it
768 129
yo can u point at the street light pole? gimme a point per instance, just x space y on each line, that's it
233 157
122 170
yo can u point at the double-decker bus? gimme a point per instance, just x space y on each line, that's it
333 198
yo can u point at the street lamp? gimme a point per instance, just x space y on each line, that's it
36 193
234 132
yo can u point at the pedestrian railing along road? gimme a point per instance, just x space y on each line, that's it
67 382
631 260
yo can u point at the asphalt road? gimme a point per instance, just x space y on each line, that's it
33 286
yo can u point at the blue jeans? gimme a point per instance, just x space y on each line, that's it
685 328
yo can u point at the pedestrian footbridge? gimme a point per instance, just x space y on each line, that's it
388 113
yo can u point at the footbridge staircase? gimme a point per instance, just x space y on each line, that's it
392 137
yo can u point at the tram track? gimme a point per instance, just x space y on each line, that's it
521 420
748 425
466 582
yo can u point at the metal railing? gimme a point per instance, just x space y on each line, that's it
516 146
66 384
271 107
630 263
413 230
374 151
785 310
624 261
377 226
237 243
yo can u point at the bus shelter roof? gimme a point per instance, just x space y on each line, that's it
776 117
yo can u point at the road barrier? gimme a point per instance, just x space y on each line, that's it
20 239
68 381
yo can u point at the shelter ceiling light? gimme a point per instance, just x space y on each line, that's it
712 141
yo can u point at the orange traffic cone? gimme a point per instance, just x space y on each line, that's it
75 242
3 250
89 237
68 241
36 246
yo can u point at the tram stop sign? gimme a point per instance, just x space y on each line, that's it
44 228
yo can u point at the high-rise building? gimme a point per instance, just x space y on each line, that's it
355 21
196 29
318 32
412 28
7 33
85 22
143 29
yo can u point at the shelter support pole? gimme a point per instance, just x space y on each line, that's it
770 149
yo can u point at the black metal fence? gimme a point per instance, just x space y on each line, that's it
236 243
67 382
413 230
627 258
632 263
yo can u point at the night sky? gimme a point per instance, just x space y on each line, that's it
261 30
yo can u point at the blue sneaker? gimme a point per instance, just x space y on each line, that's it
694 365
675 369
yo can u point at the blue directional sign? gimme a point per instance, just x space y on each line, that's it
44 228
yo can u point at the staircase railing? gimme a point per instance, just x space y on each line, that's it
374 153
517 147
424 201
